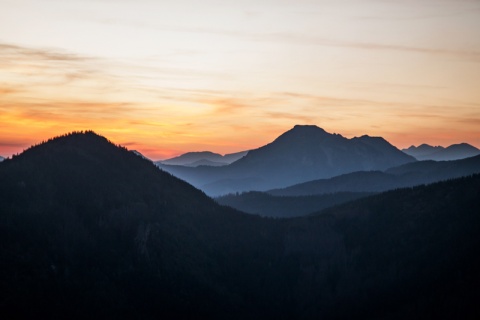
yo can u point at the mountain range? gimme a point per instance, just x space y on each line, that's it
438 153
89 230
203 158
307 197
301 154
1 158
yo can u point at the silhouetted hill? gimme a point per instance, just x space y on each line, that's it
300 154
453 152
407 175
90 230
194 159
387 232
1 158
267 205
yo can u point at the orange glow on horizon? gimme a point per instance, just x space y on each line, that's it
226 78
18 132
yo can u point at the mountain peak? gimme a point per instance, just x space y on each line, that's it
304 132
424 145
307 127
463 145
366 137
77 136
81 141
89 166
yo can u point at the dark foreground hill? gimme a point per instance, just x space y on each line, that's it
301 154
90 230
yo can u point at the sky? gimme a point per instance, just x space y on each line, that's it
168 77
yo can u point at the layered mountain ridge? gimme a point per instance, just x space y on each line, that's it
304 153
307 197
438 153
203 158
407 175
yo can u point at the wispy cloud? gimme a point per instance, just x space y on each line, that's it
302 39
8 90
21 52
46 92
314 40
30 68
426 10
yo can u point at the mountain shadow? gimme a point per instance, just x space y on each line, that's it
89 230
301 154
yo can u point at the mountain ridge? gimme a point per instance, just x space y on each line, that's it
407 175
439 153
297 155
195 158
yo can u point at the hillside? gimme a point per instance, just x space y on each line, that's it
89 230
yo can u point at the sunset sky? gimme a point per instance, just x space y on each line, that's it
169 76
